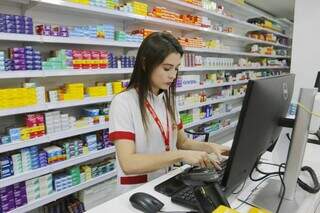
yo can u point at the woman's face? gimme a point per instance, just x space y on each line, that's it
164 74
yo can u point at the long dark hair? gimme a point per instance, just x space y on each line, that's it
152 52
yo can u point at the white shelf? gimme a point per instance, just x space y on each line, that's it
215 117
59 73
55 105
21 110
85 101
227 52
51 137
223 17
200 68
87 9
218 100
231 126
208 86
55 167
57 195
65 40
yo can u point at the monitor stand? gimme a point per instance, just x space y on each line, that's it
268 196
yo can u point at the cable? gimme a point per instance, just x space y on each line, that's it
284 188
308 110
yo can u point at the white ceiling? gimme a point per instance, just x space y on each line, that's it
278 8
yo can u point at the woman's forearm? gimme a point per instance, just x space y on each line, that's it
145 163
194 145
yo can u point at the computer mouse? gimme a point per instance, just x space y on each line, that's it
145 202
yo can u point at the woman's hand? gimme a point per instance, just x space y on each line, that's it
219 150
199 158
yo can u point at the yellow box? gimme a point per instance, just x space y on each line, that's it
224 209
256 210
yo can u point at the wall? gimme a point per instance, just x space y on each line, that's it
306 44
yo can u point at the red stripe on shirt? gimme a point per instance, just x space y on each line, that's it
118 135
180 125
129 180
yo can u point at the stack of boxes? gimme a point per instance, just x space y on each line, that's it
122 61
62 59
16 24
6 168
24 58
74 172
35 126
96 91
118 86
103 138
196 42
104 31
53 122
73 91
30 159
123 36
54 154
17 97
73 148
17 163
20 194
39 187
52 30
140 8
91 142
62 181
7 199
2 61
86 59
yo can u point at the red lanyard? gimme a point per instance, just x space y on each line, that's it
157 120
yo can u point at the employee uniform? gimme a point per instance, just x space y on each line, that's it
126 123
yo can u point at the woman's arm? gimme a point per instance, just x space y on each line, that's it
136 163
185 143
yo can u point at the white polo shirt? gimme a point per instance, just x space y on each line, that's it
126 123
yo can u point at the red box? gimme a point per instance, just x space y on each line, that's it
103 54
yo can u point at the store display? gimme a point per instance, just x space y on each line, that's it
52 30
16 24
266 23
193 60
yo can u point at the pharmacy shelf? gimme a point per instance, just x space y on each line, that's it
55 167
208 86
51 137
224 129
85 101
217 100
87 9
55 105
227 52
223 17
215 117
200 68
247 8
61 73
21 110
57 195
65 40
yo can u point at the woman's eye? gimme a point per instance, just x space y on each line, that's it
167 69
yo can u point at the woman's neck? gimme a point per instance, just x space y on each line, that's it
155 91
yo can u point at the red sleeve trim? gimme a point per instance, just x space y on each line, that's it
129 180
118 135
180 125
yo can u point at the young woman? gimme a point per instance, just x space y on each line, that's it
144 122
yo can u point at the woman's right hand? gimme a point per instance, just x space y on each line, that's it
199 158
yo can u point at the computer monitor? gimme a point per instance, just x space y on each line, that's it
265 102
317 83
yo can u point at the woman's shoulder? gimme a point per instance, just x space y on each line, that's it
127 96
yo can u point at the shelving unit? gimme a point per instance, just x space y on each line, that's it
57 195
77 14
51 137
214 117
55 167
